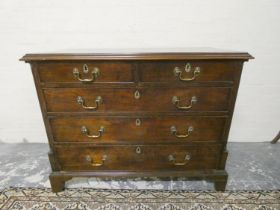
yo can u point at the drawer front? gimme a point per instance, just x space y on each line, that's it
132 129
89 73
137 158
189 72
131 100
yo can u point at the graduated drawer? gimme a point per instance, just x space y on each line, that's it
132 129
142 99
188 72
137 158
85 73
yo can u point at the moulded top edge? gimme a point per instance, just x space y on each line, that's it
173 54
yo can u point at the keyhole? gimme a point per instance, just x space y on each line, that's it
85 68
138 150
137 94
188 67
137 122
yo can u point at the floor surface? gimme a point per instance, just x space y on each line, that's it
251 166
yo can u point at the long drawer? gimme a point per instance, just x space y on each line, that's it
133 100
137 158
118 129
86 72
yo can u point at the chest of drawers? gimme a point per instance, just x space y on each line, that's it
145 114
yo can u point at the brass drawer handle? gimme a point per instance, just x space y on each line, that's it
85 131
176 101
98 101
172 159
94 74
178 73
89 159
175 133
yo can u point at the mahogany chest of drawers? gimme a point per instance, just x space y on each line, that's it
145 114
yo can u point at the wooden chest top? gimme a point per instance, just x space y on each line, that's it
140 54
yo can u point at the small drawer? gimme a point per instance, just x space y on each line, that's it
164 129
96 100
90 72
185 72
137 158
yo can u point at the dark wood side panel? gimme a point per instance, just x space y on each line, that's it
150 99
62 72
133 129
137 158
